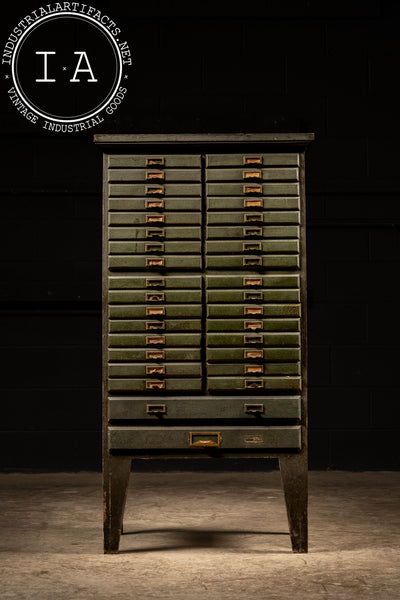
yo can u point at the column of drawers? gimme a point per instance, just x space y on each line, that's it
154 262
252 261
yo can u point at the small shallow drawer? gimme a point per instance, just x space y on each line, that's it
162 204
154 298
154 189
249 218
152 219
252 246
154 355
154 233
253 282
217 407
252 355
248 189
252 340
248 173
152 324
253 324
254 384
157 386
252 231
155 340
151 283
155 263
155 311
156 161
256 203
155 370
253 296
268 261
155 247
152 174
275 159
225 438
253 310
253 369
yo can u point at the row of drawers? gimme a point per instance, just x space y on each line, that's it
214 384
211 247
195 189
194 160
121 296
194 233
213 203
213 218
182 261
226 340
194 369
186 324
194 175
230 355
194 282
174 311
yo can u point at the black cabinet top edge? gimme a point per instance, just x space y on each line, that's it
170 139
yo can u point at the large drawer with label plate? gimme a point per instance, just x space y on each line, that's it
154 297
245 189
145 311
153 355
154 233
211 407
159 370
154 219
167 325
253 370
251 282
150 385
200 438
253 339
220 203
154 190
253 355
157 204
243 262
176 282
273 216
253 296
180 261
253 174
128 247
253 310
154 175
251 247
261 383
252 232
253 324
275 159
155 340
154 161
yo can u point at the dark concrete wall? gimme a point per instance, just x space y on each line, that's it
328 67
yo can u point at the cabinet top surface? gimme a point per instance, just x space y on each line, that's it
143 139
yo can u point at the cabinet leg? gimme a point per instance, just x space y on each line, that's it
115 480
294 473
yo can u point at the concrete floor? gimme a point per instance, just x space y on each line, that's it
200 535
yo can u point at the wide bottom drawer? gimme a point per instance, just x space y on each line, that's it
149 438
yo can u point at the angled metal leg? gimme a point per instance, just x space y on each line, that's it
294 473
116 479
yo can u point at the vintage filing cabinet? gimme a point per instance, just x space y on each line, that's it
204 291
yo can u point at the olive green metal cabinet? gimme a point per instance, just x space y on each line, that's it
204 291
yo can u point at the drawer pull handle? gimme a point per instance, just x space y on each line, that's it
250 369
155 161
155 355
155 262
253 325
151 175
150 325
155 282
253 408
252 189
252 262
205 439
253 339
155 385
155 370
154 190
154 247
154 203
252 281
253 202
155 233
252 247
252 232
252 160
253 384
254 218
252 310
156 409
253 354
155 340
154 218
252 296
252 174
155 312
155 297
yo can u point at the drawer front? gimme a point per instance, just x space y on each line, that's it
155 311
151 248
244 218
153 355
217 407
254 174
160 370
154 263
252 232
275 159
243 262
154 190
250 203
140 340
155 386
155 297
253 310
270 295
156 161
152 175
200 439
252 247
252 370
252 355
253 324
156 204
149 325
255 384
151 219
253 340
253 282
154 233
244 189
151 283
